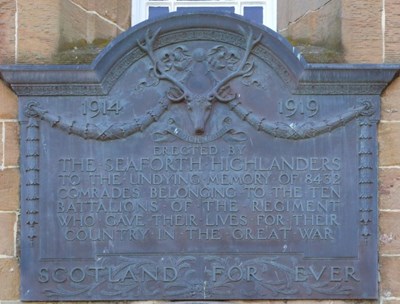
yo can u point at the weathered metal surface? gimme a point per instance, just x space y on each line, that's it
199 157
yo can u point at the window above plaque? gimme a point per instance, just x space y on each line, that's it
258 11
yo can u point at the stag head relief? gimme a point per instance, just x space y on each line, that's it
199 78
194 76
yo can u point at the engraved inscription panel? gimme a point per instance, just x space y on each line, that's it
199 175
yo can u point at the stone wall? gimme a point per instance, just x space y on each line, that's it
36 39
7 31
362 31
35 31
392 31
318 22
32 31
9 195
93 19
389 202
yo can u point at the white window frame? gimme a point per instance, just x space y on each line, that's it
140 11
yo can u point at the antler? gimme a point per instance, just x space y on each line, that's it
243 68
147 46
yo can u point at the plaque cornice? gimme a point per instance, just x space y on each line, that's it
337 88
99 77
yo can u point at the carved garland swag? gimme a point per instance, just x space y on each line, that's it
198 105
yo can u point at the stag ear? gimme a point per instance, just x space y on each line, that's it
226 94
175 95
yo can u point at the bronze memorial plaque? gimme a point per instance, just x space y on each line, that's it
198 157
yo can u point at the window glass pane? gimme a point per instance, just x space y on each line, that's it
157 11
222 9
254 10
254 13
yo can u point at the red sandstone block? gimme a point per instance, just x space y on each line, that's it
8 102
389 145
11 144
389 232
10 278
7 32
392 31
390 100
390 278
7 234
362 31
9 190
389 188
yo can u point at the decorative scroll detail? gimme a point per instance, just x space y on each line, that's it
275 278
366 169
299 131
281 284
134 277
100 132
172 132
32 176
219 36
